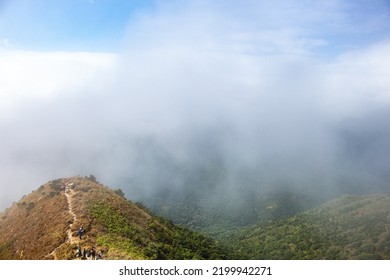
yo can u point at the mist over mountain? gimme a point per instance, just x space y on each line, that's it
349 227
252 145
262 124
232 101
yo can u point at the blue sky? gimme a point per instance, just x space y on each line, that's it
81 82
102 25
68 25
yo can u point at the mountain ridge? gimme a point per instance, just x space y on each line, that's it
45 223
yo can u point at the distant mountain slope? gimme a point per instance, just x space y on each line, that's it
210 212
45 223
351 227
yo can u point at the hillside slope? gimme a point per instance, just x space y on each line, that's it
351 227
44 225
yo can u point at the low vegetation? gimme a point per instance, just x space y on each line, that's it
352 227
36 227
207 213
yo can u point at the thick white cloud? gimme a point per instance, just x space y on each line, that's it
244 82
357 80
26 76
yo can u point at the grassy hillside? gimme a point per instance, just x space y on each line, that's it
43 225
37 226
351 227
37 221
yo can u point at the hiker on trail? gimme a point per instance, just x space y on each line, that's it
99 255
84 254
81 232
79 254
93 253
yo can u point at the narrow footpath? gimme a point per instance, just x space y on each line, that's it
69 198
70 239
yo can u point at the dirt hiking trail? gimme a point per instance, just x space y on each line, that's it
68 191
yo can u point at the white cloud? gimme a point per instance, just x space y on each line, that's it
253 69
357 80
25 76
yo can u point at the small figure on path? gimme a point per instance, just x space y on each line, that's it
93 253
99 255
79 254
81 232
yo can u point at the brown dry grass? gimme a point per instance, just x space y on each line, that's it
35 225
